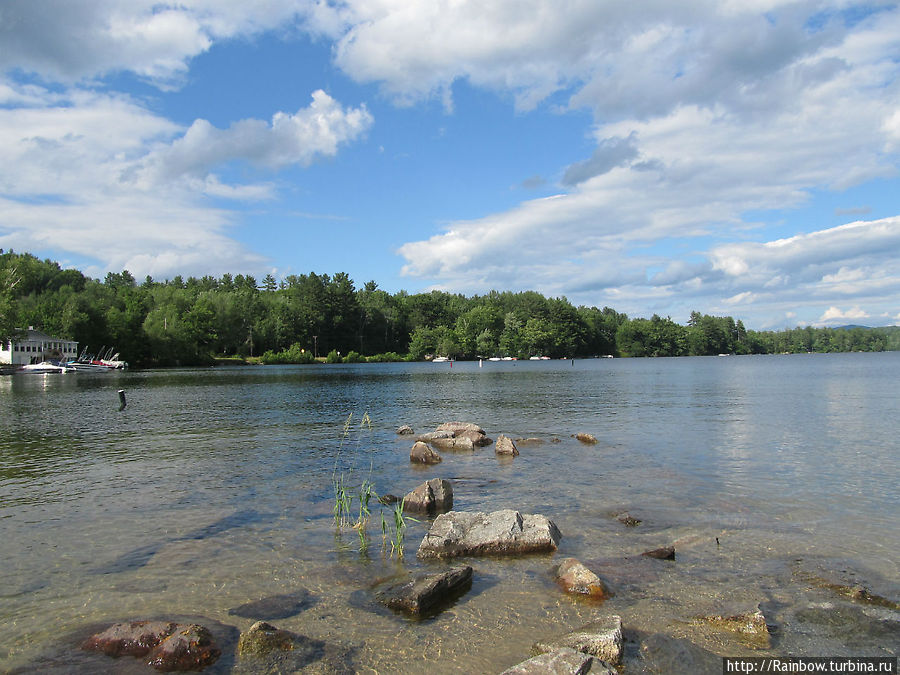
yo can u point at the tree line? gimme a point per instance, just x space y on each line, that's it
195 321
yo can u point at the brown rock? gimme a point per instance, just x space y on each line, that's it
434 435
628 520
574 577
264 638
505 446
586 438
664 553
405 430
188 648
135 638
423 454
750 625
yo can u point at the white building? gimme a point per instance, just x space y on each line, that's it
33 346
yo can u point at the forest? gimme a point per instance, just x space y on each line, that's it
302 318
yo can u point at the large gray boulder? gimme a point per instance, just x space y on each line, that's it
506 532
562 662
434 436
458 443
457 427
601 638
432 496
426 592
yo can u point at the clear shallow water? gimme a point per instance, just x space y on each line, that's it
213 488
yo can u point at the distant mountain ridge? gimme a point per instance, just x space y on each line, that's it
853 325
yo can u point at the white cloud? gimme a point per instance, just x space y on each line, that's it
835 315
80 175
77 40
297 138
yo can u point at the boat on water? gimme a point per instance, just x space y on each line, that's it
440 359
45 367
106 361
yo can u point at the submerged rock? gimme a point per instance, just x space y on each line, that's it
664 553
562 662
405 430
424 593
505 532
574 577
628 520
601 638
422 453
505 446
276 606
165 645
267 649
134 638
664 654
590 439
433 496
750 625
188 648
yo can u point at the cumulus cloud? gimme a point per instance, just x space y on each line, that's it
835 315
78 40
297 138
139 171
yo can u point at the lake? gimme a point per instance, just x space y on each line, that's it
213 488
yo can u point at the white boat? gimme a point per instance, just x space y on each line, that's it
44 367
440 359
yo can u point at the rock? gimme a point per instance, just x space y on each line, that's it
419 596
663 654
478 439
457 427
590 439
423 454
628 520
388 499
433 496
275 607
505 446
263 639
852 585
562 662
574 577
504 532
750 625
664 553
405 430
529 441
135 638
458 443
267 649
188 648
434 435
601 638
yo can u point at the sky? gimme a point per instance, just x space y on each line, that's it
734 157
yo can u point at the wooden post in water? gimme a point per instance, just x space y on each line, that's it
122 402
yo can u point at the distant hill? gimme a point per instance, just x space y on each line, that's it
852 326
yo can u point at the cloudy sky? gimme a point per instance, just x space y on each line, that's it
737 157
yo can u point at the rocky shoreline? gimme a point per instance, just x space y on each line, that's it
451 548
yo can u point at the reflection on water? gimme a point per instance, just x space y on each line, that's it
212 489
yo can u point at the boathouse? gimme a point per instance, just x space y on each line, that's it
33 346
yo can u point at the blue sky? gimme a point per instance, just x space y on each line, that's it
736 158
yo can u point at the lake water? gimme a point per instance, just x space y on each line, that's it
213 489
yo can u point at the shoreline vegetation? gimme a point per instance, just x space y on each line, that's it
325 319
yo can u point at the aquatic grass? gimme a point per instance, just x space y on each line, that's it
346 492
